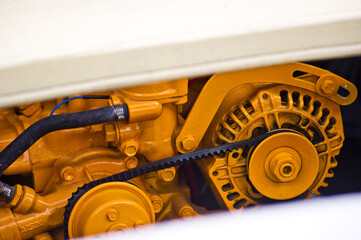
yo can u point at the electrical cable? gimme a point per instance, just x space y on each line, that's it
79 97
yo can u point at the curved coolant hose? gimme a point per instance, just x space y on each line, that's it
59 122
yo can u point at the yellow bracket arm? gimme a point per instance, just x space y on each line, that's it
219 85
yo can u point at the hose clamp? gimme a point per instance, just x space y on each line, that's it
6 191
121 112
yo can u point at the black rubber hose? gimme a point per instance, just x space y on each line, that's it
59 122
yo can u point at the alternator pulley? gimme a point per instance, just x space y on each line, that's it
283 166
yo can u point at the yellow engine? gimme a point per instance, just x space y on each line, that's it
110 160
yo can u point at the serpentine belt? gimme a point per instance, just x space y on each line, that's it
162 164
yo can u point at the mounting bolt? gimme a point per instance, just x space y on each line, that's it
129 147
167 174
186 211
328 87
131 162
68 173
157 202
112 214
188 143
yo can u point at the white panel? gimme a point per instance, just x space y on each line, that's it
331 218
51 48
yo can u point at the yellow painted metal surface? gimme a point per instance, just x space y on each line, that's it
112 206
62 161
222 84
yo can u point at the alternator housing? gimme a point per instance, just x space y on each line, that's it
255 109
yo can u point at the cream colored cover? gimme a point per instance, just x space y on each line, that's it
52 48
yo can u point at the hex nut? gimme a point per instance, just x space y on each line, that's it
167 174
285 167
157 202
131 162
328 87
68 173
188 143
129 147
186 212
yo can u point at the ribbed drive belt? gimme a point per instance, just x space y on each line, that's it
162 164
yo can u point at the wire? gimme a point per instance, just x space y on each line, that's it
79 97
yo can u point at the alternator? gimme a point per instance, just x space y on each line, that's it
284 166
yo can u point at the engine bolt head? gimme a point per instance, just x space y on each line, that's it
157 202
186 212
284 167
158 206
68 174
112 214
167 174
328 87
129 147
131 162
188 143
130 150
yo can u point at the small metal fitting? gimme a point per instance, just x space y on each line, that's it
6 191
121 112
